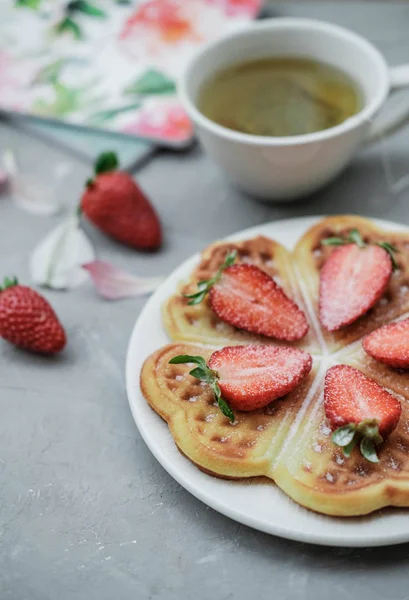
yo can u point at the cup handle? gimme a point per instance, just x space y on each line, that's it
399 78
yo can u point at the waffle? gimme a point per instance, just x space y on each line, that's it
288 441
309 256
315 473
246 448
200 324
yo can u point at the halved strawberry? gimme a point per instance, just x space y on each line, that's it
359 410
390 344
247 298
250 377
352 280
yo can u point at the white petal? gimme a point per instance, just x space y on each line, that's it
56 261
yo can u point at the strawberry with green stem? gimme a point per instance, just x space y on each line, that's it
27 320
114 203
246 297
353 279
359 411
249 377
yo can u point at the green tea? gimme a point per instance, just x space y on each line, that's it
280 97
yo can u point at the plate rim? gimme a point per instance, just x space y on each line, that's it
231 512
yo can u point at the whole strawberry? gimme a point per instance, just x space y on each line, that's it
28 321
115 204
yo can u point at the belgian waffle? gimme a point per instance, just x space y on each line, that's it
309 256
289 440
245 448
200 324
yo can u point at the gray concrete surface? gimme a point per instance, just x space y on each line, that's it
85 510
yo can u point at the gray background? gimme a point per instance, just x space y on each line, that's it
85 510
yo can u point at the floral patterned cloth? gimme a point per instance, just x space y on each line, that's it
109 64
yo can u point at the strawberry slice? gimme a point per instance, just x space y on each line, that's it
250 377
359 410
390 344
352 280
247 298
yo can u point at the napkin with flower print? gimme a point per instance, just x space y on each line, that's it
109 64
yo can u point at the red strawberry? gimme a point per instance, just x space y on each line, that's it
352 280
247 298
28 321
115 204
249 377
252 376
390 344
358 409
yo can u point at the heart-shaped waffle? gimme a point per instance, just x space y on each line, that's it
288 441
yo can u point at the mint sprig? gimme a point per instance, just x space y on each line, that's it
205 285
204 373
390 249
366 434
354 237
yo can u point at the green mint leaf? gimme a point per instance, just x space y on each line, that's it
204 286
68 25
223 405
204 374
152 82
348 449
107 161
390 249
369 428
86 8
343 436
186 358
196 298
356 238
333 241
368 450
230 258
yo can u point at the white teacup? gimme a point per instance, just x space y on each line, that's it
285 168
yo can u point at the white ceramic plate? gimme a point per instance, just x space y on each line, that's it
258 505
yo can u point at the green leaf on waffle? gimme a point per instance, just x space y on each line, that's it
205 286
368 451
203 373
333 241
354 237
390 249
343 436
366 434
348 449
223 405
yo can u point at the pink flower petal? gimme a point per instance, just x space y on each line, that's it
113 283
